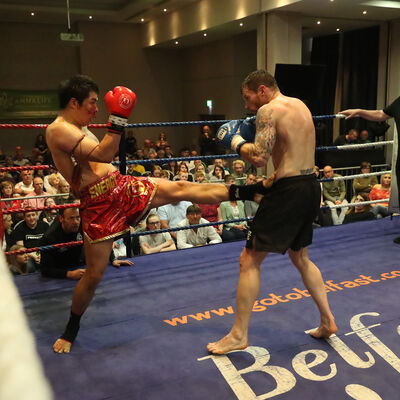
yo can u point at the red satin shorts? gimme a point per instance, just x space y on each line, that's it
113 203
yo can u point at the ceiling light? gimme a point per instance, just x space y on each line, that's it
331 1
165 10
318 22
364 12
90 17
176 42
141 19
241 24
32 14
204 34
337 29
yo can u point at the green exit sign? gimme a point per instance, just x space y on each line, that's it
72 37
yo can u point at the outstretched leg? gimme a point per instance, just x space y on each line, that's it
204 193
247 292
97 256
314 283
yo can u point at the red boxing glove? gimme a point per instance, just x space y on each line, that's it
119 103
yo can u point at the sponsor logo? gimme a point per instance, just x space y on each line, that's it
102 187
125 101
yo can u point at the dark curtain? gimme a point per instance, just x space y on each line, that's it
360 73
325 51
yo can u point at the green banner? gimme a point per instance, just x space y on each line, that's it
21 104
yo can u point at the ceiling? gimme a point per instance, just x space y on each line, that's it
338 14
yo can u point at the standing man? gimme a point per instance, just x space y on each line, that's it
390 111
284 130
110 202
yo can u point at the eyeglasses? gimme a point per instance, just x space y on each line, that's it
153 223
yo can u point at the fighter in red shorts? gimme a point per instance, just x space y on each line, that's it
110 202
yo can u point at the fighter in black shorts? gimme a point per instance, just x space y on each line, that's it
284 131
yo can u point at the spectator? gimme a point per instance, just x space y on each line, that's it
156 171
233 230
239 175
207 142
19 159
165 174
200 177
173 213
364 137
139 154
350 138
250 207
26 185
40 144
64 262
9 162
47 186
7 223
173 167
162 141
334 194
361 212
365 184
378 192
7 192
168 152
65 189
218 174
197 236
37 191
19 264
28 233
2 155
54 184
131 144
156 242
48 216
324 217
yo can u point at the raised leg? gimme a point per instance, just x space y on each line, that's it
97 257
172 192
314 283
247 292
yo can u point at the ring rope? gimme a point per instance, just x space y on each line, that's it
42 196
26 167
354 146
360 203
11 210
153 124
348 177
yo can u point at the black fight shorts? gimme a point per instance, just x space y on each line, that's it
285 216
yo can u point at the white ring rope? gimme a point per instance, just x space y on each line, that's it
363 145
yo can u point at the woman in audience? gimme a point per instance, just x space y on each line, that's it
361 212
7 192
40 144
233 210
156 171
378 192
218 174
182 166
7 222
200 177
54 184
173 167
18 264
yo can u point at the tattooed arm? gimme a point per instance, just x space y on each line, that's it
259 152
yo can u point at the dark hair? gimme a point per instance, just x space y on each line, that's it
193 209
61 211
78 87
365 164
257 78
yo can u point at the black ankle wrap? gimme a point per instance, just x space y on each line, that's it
72 328
246 192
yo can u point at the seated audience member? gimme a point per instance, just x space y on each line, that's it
7 192
193 164
37 191
131 143
197 236
9 162
18 264
364 184
349 138
334 194
51 171
212 213
168 151
361 212
250 207
238 174
379 192
182 167
200 177
67 262
324 217
182 176
134 169
217 174
155 171
364 137
40 144
65 189
54 184
156 242
28 233
48 216
19 158
207 142
7 223
25 186
171 214
173 167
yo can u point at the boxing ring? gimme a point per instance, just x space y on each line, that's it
145 332
144 335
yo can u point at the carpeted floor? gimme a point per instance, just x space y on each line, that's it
144 335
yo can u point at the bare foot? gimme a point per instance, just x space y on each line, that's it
226 344
324 330
62 346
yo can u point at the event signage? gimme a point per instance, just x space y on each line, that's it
21 104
